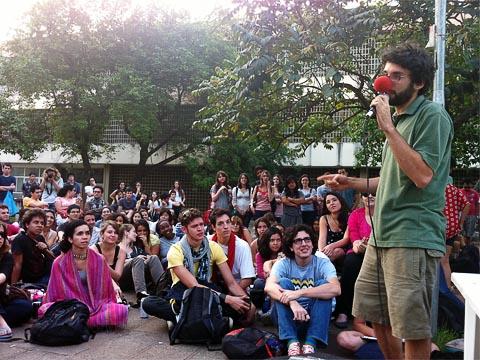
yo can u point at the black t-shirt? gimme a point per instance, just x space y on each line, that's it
35 264
6 265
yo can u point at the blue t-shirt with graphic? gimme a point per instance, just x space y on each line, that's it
304 277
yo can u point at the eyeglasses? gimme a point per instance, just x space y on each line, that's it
3 234
299 241
396 77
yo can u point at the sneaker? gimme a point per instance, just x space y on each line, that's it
294 349
308 349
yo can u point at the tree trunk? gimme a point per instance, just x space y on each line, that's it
141 170
87 166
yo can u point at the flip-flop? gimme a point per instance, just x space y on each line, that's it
6 336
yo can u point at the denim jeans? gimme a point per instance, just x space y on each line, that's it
318 309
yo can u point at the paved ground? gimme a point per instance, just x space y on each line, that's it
142 339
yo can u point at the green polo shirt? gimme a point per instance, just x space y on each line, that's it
406 216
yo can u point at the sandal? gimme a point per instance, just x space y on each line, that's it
8 333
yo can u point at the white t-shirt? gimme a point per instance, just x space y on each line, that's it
243 264
88 189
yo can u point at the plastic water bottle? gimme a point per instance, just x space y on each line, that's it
143 314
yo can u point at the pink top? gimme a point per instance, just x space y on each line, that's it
263 204
64 202
358 227
260 261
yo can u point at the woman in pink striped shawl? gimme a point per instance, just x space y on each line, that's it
80 273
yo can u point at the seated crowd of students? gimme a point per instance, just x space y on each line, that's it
285 272
86 250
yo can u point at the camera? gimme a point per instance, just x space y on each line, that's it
51 176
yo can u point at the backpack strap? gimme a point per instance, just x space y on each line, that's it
181 316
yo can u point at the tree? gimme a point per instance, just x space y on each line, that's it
61 62
298 75
233 157
411 20
23 132
295 72
153 83
94 61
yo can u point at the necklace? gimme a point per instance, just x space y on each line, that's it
80 256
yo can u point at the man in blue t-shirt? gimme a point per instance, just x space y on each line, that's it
302 286
7 181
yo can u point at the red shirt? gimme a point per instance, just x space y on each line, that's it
473 198
455 201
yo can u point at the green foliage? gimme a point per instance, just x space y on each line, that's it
443 336
22 132
410 20
233 157
371 139
297 77
60 62
289 78
114 60
153 81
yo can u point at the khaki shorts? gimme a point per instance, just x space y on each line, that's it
407 277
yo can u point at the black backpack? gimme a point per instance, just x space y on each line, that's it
451 314
252 343
163 284
64 323
200 318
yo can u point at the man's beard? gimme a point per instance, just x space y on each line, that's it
402 97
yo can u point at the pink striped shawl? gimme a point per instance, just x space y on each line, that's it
65 283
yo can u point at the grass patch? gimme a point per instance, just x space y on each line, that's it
445 335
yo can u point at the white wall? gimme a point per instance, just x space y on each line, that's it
316 156
319 156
